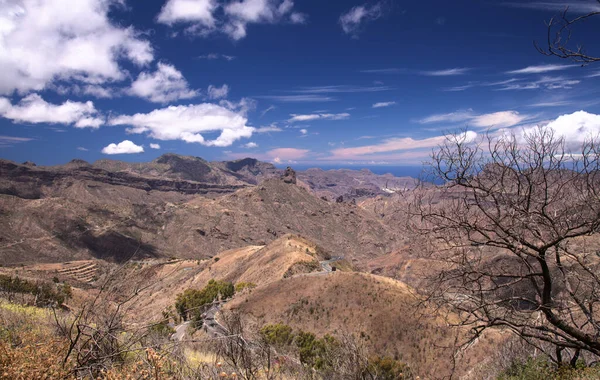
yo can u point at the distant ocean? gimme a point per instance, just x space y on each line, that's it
398 171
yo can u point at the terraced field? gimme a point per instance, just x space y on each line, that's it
83 271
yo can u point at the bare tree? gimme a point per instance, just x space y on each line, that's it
514 230
560 33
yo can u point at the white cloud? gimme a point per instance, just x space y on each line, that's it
393 70
199 12
500 119
207 16
556 103
304 131
34 109
398 148
451 117
579 6
124 147
60 40
446 72
213 56
218 92
383 104
8 141
89 122
250 145
353 20
540 69
575 127
267 110
165 85
319 116
190 123
548 82
97 91
341 89
308 98
298 18
594 75
154 146
280 155
268 129
82 149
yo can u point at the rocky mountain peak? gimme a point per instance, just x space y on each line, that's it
289 176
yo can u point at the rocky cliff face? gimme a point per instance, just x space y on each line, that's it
35 182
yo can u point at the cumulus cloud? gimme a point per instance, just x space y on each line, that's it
124 147
319 116
540 69
191 122
34 109
304 131
154 146
218 92
500 119
165 85
199 12
61 40
383 104
250 145
204 17
353 20
574 127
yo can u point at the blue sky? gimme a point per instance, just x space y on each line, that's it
305 82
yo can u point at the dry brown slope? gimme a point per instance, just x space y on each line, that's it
260 265
258 215
381 310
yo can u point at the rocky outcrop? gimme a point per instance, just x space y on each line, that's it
289 176
32 182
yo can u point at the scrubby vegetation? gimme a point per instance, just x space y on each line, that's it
43 294
241 286
191 303
541 368
326 354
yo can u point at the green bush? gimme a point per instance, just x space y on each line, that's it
314 352
190 304
45 294
386 368
278 335
244 285
162 328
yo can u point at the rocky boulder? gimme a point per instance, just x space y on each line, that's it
289 176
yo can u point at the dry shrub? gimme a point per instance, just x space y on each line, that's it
29 349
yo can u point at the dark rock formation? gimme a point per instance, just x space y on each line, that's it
289 176
339 199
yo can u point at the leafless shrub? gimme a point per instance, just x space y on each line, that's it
514 231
